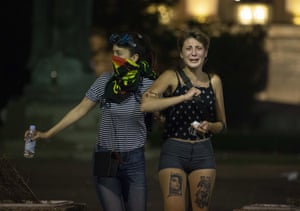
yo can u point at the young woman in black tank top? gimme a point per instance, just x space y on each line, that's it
187 163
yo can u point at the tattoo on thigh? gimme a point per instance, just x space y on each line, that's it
175 185
203 191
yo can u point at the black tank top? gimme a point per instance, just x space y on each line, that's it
180 116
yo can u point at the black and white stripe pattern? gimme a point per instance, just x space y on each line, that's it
121 126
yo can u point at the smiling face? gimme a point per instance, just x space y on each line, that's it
193 53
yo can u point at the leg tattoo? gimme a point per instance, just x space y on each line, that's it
175 185
202 194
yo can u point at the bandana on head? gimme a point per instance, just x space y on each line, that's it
126 78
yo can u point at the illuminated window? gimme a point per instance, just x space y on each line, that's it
253 14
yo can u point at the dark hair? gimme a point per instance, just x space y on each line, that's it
193 33
136 43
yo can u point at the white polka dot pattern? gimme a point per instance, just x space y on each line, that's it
179 117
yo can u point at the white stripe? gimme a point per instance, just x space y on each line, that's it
121 126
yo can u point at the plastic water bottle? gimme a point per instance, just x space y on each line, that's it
29 143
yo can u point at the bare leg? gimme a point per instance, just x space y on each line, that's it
173 186
201 187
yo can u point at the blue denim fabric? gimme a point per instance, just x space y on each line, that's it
187 156
127 191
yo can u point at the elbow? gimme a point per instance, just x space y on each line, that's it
143 108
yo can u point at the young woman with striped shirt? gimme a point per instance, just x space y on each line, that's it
122 128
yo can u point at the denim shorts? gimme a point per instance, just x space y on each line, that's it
187 156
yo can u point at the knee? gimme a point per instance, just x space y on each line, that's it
174 205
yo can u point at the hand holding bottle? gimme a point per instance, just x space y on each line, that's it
29 142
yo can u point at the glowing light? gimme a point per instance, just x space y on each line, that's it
293 7
253 14
165 12
259 13
245 14
151 9
296 20
201 9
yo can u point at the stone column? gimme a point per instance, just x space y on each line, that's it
283 46
59 63
282 95
60 51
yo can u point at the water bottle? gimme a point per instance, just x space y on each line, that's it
29 143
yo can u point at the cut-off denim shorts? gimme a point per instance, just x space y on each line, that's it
187 156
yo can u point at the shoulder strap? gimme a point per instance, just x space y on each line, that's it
178 79
208 75
209 78
185 79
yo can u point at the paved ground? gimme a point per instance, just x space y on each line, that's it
61 173
61 169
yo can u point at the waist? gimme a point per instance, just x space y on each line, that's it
190 141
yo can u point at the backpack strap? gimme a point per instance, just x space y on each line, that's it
188 83
178 78
185 79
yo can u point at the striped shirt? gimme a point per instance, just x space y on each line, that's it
121 126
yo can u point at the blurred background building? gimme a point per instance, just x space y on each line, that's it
255 48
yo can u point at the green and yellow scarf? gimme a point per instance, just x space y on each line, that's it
126 78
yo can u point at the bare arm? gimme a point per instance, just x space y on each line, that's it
152 101
220 124
71 117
